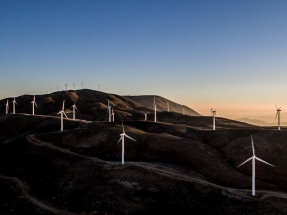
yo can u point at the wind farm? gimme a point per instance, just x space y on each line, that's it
143 107
153 155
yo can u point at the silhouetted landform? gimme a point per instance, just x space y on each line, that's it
178 165
92 105
161 104
260 122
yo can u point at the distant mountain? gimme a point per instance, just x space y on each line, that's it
162 104
260 122
253 121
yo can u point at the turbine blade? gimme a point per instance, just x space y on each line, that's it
129 137
123 127
36 105
120 140
76 108
263 161
245 161
252 146
65 115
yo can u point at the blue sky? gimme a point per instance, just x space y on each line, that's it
225 54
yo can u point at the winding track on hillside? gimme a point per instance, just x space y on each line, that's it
167 171
156 168
34 200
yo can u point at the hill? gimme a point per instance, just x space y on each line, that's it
92 105
176 165
162 104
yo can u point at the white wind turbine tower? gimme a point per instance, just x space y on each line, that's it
62 112
123 142
74 108
109 110
33 104
253 166
278 114
7 106
145 116
167 106
14 102
113 114
214 115
74 87
154 108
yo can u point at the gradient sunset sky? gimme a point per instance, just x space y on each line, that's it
230 55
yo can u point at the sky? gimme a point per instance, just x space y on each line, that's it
229 55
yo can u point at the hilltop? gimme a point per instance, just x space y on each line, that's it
162 104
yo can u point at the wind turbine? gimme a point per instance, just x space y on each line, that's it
145 116
74 87
57 88
82 84
109 110
74 107
214 115
14 102
278 114
7 106
62 112
113 114
253 166
123 142
66 86
33 104
167 106
154 108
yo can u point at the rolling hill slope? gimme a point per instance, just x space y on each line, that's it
161 104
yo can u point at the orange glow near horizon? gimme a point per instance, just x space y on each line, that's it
260 112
